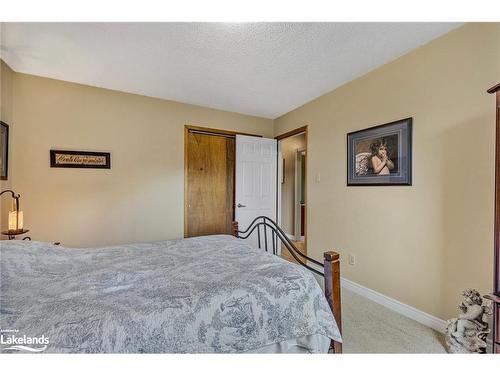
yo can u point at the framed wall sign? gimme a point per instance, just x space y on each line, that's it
79 159
381 155
4 150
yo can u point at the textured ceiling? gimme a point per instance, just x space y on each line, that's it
261 69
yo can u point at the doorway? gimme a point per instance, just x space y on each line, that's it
209 180
292 191
231 175
299 193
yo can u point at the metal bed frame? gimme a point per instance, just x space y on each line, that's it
329 269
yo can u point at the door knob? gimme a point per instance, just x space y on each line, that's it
240 205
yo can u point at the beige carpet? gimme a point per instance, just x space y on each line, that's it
371 328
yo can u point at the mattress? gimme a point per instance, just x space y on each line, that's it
213 294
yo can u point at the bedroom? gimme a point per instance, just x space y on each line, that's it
408 247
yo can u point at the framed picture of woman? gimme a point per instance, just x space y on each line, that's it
4 150
380 155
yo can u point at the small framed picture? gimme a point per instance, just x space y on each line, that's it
80 159
380 155
4 150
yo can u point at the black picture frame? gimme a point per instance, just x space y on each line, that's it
4 140
54 163
396 138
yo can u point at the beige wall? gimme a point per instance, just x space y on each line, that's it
6 75
420 244
289 147
6 115
141 197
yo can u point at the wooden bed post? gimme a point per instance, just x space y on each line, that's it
234 228
332 290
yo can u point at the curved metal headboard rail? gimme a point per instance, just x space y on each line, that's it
276 228
265 222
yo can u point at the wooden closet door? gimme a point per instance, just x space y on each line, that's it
210 184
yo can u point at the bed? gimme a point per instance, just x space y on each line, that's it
212 294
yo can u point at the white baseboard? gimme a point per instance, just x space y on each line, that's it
392 304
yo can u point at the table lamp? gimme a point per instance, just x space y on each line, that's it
15 217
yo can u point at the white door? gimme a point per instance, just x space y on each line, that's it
256 177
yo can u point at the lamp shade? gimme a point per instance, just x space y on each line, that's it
15 220
15 215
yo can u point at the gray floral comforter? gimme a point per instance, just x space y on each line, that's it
198 295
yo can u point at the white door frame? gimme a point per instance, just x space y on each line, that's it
280 138
280 179
297 192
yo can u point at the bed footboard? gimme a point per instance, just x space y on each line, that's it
330 265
